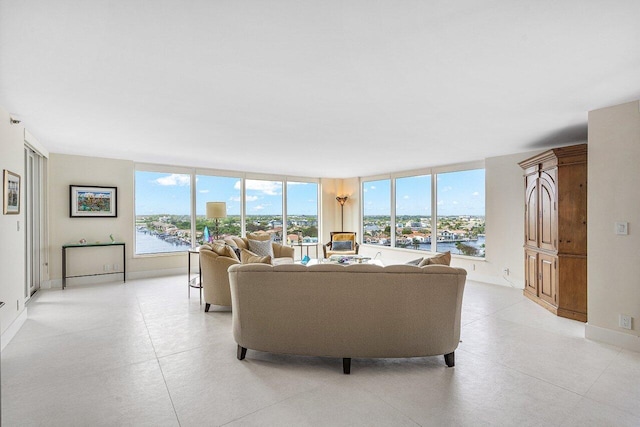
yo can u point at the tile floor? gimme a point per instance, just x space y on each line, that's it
142 353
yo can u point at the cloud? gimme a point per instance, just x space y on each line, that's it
174 179
270 188
258 208
454 202
203 191
373 187
249 198
235 199
440 202
446 188
475 193
405 197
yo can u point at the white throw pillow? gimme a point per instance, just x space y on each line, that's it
261 247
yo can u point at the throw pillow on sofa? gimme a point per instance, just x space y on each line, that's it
248 257
416 261
261 247
440 259
224 250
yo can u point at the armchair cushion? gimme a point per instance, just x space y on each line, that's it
342 245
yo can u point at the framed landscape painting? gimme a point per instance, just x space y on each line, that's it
11 193
92 202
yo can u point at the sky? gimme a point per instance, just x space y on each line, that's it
166 193
459 193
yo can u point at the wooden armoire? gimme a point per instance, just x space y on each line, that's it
555 236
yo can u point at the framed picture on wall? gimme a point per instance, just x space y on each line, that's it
11 194
93 202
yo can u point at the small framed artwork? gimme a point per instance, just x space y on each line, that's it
93 202
11 198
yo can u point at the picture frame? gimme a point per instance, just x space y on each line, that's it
11 193
93 201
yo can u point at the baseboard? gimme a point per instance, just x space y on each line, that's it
13 329
608 336
494 280
115 278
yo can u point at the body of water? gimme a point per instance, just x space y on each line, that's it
151 244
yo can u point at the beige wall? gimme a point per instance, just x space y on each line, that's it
613 268
12 243
65 170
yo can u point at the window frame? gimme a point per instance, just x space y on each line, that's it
433 171
243 176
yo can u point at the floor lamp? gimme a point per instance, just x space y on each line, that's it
217 211
342 200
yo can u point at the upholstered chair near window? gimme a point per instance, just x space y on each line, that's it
342 243
215 260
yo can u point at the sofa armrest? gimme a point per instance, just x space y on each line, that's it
281 251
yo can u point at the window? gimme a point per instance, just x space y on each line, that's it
376 221
413 212
211 188
461 212
302 212
263 210
163 212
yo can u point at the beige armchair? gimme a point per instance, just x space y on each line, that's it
342 243
215 279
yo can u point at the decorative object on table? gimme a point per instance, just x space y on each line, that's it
82 241
305 260
93 201
112 239
11 194
216 211
342 200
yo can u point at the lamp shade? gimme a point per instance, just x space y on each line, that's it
216 210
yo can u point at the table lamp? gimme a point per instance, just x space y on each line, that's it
216 211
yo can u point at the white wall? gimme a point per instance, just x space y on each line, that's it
12 243
613 270
65 170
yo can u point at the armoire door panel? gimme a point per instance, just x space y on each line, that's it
547 212
547 278
531 211
531 273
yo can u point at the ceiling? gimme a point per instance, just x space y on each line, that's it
332 88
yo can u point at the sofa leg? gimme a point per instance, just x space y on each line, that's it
206 307
242 352
346 365
450 359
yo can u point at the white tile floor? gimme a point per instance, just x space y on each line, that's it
142 353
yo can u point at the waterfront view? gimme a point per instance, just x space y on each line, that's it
460 234
172 233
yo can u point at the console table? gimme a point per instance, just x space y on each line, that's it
68 246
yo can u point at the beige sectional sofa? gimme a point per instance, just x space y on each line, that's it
348 312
